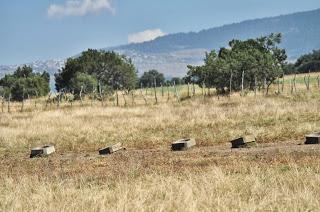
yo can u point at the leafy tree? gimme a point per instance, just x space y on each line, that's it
260 60
147 79
309 62
85 81
114 71
23 82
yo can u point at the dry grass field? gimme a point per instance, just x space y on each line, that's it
277 175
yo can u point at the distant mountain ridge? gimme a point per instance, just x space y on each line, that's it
171 54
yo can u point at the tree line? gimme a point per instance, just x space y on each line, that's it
244 64
304 64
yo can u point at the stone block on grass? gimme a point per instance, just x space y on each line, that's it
183 144
313 138
111 149
42 151
243 142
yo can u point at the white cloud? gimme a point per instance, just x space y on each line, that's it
79 8
146 35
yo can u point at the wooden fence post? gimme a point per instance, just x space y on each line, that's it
9 99
155 90
282 88
162 91
168 91
193 89
294 83
278 85
230 83
318 79
117 98
176 91
22 103
255 86
242 84
124 99
132 96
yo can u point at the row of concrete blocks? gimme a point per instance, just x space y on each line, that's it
180 145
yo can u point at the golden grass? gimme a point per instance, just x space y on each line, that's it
278 175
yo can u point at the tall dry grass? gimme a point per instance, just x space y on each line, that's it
147 176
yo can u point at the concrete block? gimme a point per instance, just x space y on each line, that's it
243 142
183 144
111 149
42 151
313 138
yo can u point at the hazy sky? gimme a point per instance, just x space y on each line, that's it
54 29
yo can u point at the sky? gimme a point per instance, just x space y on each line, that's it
33 30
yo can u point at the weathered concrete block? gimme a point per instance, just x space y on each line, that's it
42 151
183 144
313 138
111 149
243 142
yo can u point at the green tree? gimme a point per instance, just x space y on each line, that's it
147 79
114 71
260 60
23 82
